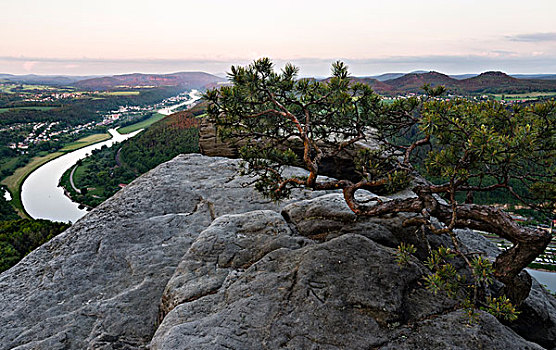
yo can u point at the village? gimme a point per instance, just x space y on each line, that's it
36 133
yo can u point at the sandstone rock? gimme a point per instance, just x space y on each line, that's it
247 284
343 293
189 256
99 284
452 331
211 145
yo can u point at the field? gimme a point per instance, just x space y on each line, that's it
15 181
119 93
142 124
526 96
37 108
86 141
27 88
80 171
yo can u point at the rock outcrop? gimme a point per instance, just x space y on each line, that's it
211 145
340 165
189 256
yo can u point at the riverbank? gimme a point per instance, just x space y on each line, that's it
142 124
41 196
15 181
70 190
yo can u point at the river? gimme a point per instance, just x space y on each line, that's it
40 194
194 96
545 277
43 199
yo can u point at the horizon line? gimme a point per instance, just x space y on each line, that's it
470 64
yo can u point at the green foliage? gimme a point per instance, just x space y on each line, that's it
470 310
276 112
488 142
19 237
376 164
162 141
482 270
444 276
7 212
403 254
501 308
262 161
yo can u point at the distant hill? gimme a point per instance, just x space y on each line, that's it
376 85
488 82
503 83
60 80
188 80
413 82
390 76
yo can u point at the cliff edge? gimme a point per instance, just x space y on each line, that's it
190 256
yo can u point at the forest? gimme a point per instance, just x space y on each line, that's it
20 237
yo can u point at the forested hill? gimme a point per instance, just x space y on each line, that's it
488 82
173 135
187 80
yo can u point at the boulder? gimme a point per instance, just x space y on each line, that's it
250 282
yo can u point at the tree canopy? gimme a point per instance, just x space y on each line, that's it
281 120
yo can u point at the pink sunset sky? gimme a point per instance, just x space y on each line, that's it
119 36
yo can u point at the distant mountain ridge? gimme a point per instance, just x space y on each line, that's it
189 80
415 81
387 83
487 82
45 79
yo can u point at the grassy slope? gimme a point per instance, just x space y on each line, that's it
86 141
141 125
524 96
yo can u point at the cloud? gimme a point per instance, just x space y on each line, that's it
533 37
28 65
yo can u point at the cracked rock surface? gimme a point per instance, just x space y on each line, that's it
249 282
189 256
99 284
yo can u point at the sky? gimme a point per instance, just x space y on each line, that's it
76 37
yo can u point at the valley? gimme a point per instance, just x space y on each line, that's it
38 129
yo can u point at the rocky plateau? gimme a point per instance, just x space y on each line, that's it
190 256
